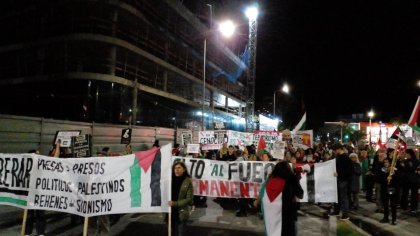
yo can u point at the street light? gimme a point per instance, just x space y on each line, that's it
285 89
226 28
370 115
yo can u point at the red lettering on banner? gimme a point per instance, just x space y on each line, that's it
204 187
256 189
234 189
244 188
214 187
224 188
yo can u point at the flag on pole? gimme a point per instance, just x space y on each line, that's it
415 116
301 125
392 142
380 137
261 145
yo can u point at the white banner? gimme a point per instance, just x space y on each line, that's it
140 182
236 179
237 138
325 182
15 170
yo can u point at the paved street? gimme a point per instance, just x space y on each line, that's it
215 220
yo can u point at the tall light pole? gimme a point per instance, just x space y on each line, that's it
252 14
285 89
370 115
226 28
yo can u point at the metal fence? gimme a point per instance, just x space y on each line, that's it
19 134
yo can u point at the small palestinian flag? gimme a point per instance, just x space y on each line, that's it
261 146
397 136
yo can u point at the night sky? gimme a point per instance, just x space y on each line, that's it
340 57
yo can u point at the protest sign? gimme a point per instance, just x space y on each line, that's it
278 149
186 137
15 172
140 182
303 139
193 148
270 137
325 182
212 140
64 137
81 146
237 138
126 136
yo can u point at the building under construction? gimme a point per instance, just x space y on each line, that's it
136 62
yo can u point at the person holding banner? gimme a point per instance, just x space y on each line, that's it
36 216
278 199
182 198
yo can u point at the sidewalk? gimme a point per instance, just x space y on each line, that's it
366 218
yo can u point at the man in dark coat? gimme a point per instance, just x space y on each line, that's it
344 168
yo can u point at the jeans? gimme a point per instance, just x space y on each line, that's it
178 228
343 201
378 200
37 217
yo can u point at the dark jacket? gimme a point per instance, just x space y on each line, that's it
344 167
185 199
355 183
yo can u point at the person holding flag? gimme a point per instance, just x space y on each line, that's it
278 200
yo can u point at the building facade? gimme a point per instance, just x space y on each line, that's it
135 62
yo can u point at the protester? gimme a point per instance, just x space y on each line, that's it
182 197
128 149
278 199
389 191
230 155
36 216
222 151
355 183
344 175
377 169
100 225
369 183
410 181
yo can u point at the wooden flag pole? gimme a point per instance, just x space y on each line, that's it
170 223
25 216
394 160
85 226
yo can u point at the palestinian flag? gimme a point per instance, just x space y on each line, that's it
415 116
301 125
261 146
396 136
272 205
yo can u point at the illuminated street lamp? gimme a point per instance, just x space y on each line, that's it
285 89
226 28
370 115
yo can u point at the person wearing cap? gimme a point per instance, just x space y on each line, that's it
344 173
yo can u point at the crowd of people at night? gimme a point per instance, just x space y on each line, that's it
387 177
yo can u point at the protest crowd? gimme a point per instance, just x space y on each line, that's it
386 176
